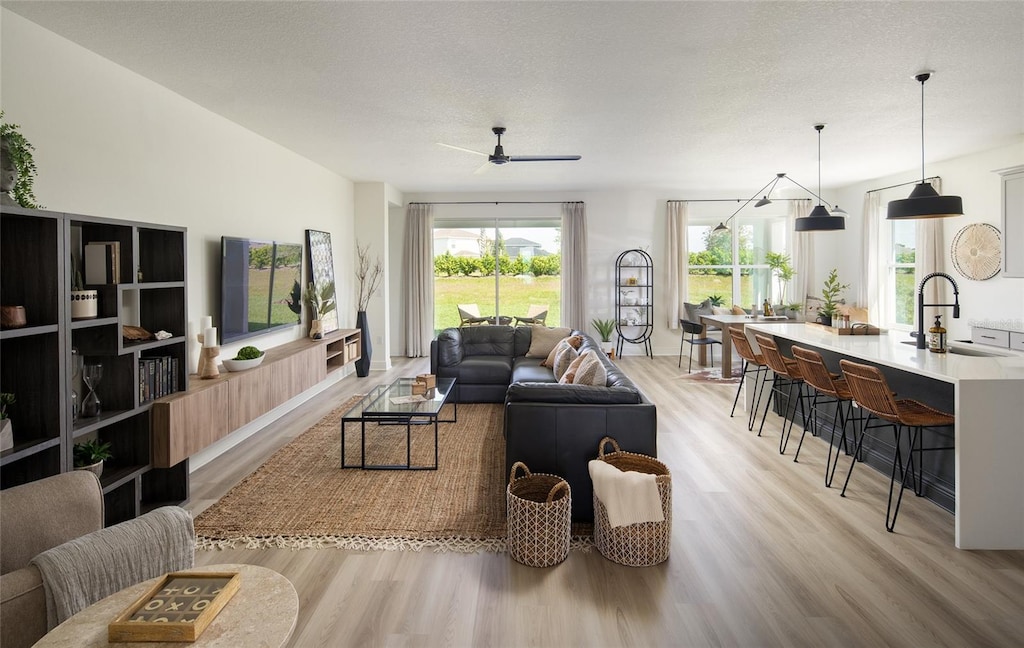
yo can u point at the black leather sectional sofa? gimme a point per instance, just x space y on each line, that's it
552 428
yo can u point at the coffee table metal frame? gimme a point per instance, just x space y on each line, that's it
376 407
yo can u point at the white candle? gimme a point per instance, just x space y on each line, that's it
209 337
205 322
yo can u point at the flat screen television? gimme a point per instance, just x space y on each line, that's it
260 287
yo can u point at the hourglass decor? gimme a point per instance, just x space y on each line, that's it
91 376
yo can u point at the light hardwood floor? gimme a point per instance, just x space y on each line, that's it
762 555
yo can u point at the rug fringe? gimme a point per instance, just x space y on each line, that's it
368 543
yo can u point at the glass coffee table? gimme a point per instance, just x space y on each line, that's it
395 404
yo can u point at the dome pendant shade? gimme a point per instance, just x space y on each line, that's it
925 202
819 220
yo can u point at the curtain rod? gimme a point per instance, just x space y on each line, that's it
500 202
733 200
902 184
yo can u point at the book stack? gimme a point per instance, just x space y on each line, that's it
102 263
158 377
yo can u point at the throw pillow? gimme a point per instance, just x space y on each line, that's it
691 312
544 339
570 371
737 310
574 341
562 361
720 310
591 371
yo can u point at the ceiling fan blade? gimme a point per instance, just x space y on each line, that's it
544 158
459 148
484 168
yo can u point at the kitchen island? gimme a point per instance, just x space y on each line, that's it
988 401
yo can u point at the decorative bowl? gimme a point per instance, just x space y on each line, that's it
242 365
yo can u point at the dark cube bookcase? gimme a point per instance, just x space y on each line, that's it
36 251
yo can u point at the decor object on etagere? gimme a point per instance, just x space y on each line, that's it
92 374
208 357
369 273
6 427
84 303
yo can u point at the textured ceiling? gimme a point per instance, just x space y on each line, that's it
690 96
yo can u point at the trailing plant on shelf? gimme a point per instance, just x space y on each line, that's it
830 293
604 327
369 275
19 151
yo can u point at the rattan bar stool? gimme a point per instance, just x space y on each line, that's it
786 376
871 391
751 362
829 389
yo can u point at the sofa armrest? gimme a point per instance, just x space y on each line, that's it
22 608
45 513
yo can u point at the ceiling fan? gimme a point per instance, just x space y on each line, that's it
499 157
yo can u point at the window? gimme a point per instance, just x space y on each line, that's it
731 266
505 268
900 276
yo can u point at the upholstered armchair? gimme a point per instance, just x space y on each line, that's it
56 558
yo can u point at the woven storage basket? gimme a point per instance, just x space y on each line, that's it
645 543
539 509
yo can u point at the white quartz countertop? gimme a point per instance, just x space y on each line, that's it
888 350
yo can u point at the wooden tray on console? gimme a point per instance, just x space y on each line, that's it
178 608
865 329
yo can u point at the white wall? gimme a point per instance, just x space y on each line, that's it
972 177
110 143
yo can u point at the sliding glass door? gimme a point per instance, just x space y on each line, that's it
497 271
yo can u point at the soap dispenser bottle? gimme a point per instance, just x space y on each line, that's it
937 337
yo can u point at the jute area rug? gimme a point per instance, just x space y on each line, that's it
302 498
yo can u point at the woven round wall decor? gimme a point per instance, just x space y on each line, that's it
977 251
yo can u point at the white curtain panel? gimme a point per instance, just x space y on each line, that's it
574 265
875 253
802 284
931 257
418 275
677 267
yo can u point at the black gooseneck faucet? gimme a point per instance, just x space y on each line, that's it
920 304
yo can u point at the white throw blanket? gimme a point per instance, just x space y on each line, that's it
629 497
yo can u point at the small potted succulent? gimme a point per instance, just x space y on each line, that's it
246 358
90 455
604 327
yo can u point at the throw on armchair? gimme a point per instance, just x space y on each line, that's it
56 558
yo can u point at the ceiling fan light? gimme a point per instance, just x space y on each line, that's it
925 202
819 220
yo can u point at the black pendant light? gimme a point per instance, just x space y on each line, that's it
820 220
924 201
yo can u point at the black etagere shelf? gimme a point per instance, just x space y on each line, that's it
634 300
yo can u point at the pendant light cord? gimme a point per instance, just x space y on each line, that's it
922 126
819 164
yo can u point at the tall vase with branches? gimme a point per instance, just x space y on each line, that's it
369 273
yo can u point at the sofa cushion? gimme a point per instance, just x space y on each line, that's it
485 370
573 340
544 339
487 341
521 339
530 370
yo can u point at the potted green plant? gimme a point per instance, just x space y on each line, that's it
604 329
6 427
19 168
246 358
830 293
320 302
781 270
90 455
716 300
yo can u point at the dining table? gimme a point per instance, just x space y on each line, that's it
727 321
